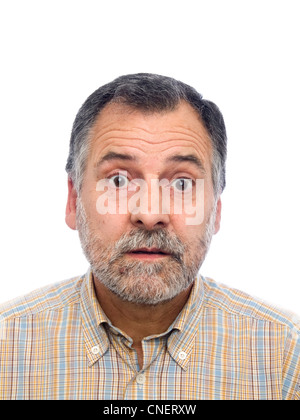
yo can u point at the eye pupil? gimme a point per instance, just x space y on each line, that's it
181 184
118 181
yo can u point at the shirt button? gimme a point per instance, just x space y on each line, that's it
95 350
140 379
182 355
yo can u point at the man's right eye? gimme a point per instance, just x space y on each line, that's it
118 181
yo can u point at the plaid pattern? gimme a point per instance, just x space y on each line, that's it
56 343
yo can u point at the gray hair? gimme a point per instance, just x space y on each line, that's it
148 93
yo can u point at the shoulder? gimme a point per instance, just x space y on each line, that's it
270 334
238 303
52 297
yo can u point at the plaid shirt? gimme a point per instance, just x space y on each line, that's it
57 343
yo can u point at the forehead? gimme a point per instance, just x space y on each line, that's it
121 129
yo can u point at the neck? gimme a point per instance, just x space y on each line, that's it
139 321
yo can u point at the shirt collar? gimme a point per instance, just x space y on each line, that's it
181 333
93 320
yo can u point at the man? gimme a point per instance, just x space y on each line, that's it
146 171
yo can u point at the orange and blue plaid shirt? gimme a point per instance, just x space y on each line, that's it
57 343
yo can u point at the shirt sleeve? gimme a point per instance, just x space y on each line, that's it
291 366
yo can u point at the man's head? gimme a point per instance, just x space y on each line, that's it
144 135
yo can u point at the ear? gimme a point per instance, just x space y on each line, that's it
218 216
71 205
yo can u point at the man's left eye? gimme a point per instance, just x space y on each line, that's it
182 184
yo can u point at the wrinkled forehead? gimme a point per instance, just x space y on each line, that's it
119 127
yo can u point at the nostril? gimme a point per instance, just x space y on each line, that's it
150 226
150 221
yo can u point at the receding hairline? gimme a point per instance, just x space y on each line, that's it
121 108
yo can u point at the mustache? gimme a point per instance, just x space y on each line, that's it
141 238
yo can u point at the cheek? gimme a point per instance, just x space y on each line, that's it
193 236
184 232
190 235
109 227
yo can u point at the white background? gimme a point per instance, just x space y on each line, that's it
243 55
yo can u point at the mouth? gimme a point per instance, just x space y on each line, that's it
148 253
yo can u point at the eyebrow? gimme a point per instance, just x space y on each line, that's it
115 156
188 158
175 158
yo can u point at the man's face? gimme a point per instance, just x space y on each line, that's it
143 255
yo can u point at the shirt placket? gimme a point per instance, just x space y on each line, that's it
127 355
138 386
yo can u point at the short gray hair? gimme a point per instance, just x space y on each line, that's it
148 93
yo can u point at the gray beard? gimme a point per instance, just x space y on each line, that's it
143 282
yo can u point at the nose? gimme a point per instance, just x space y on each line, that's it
150 221
148 209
